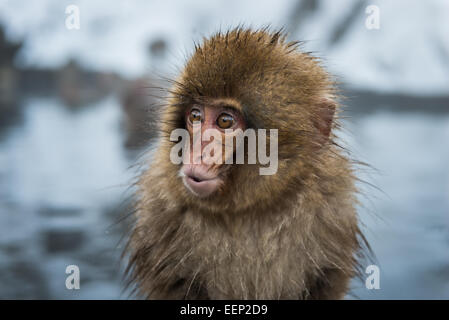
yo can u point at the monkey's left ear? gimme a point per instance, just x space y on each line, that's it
325 117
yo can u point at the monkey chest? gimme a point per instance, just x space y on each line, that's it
247 265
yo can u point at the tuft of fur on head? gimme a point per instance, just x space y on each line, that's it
276 86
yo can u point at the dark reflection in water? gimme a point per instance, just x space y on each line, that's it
64 172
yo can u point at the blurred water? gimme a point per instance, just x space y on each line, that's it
408 225
63 175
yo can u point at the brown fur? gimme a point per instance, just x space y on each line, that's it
292 235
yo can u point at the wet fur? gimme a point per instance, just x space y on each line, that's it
292 235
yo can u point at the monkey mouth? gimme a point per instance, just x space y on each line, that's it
195 179
199 181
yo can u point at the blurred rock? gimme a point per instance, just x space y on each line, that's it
355 102
8 75
78 86
23 279
60 212
9 81
158 48
56 241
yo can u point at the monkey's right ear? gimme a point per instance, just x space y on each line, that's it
325 116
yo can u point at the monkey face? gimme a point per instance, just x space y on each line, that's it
210 129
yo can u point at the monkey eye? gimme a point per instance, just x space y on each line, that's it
225 121
195 115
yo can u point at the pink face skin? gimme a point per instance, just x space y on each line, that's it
204 179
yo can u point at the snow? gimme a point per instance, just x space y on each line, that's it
408 54
116 36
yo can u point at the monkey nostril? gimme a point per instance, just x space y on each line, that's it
196 179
